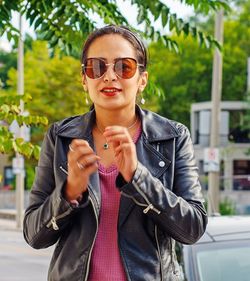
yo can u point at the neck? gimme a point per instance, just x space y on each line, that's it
119 117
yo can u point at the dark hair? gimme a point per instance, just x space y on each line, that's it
132 37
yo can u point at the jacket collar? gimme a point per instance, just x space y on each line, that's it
77 126
152 126
156 127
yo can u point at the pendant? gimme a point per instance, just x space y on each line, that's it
105 146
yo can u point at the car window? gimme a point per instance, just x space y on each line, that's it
223 261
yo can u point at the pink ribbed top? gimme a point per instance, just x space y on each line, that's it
106 263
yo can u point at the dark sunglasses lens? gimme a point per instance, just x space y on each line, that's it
95 68
125 68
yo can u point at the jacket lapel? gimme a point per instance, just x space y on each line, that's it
94 184
155 129
81 127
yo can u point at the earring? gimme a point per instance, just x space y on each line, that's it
142 98
142 101
86 98
85 89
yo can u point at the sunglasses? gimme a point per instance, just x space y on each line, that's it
124 68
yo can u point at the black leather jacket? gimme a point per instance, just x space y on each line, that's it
161 204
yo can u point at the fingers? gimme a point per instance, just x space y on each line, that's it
117 134
87 160
124 151
88 169
81 157
111 130
123 147
119 138
79 147
91 168
82 162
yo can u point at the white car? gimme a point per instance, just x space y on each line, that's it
222 253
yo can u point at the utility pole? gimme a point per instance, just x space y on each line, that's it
19 158
213 176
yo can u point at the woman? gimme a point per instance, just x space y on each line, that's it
115 187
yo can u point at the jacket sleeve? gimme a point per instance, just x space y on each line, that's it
178 212
48 212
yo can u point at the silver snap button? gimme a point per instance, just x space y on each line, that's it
162 164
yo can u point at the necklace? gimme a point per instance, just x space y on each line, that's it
106 145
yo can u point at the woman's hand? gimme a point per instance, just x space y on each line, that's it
82 162
124 150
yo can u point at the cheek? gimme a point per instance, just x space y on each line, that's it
133 84
91 85
131 91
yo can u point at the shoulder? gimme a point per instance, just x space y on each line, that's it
58 125
158 124
67 121
78 126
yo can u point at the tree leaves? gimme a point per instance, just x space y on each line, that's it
6 8
205 6
9 144
10 111
170 22
164 12
66 23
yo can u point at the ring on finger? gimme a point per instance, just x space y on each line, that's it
80 166
71 148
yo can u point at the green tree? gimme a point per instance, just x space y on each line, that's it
7 60
186 77
66 23
54 83
10 111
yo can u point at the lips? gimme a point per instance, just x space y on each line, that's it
110 91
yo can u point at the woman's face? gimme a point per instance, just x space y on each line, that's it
110 91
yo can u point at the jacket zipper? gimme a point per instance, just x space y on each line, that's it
131 197
64 170
150 206
172 261
92 246
96 217
158 248
53 220
55 226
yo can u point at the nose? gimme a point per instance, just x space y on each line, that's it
110 74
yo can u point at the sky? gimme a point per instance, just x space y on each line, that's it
176 7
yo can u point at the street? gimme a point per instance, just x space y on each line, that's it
18 261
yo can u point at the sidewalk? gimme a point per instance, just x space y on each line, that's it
8 220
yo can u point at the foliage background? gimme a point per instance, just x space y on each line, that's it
180 63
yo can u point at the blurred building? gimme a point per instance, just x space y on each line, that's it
234 150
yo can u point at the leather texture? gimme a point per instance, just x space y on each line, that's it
162 204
